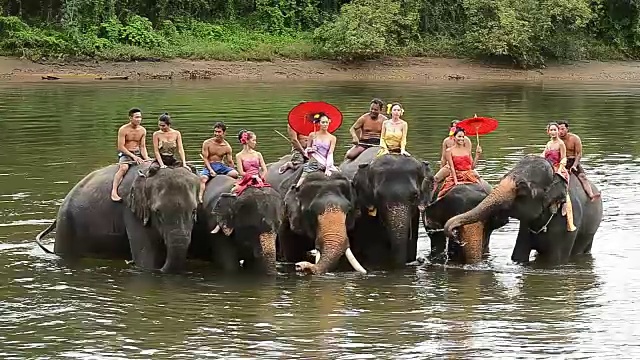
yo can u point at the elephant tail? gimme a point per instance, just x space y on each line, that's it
44 233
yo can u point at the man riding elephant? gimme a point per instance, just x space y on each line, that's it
573 145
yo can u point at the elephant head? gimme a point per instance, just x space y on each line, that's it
254 217
391 188
167 202
322 208
530 189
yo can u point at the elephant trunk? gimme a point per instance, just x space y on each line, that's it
333 241
501 195
177 243
471 239
398 223
268 247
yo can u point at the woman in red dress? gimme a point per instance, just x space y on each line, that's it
461 163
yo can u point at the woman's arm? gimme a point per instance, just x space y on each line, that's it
383 133
478 153
263 166
563 153
546 146
405 130
239 161
156 150
183 157
449 158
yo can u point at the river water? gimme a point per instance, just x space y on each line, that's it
52 134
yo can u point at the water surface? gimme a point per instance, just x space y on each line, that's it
55 133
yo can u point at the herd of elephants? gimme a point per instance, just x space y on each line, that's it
364 217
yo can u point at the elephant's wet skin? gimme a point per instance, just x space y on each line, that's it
534 194
235 228
389 190
152 226
318 215
471 242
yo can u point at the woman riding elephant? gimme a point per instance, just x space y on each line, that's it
462 190
318 214
535 194
153 226
239 221
389 189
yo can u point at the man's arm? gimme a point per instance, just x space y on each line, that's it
229 156
205 157
578 151
293 137
443 160
353 130
143 145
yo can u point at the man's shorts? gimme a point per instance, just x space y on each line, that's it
218 167
123 158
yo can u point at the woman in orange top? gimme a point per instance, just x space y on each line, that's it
461 163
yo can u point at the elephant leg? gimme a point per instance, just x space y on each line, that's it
472 236
147 249
412 245
292 246
225 254
582 244
438 246
522 249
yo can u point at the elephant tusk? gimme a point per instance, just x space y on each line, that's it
352 260
216 229
372 211
317 255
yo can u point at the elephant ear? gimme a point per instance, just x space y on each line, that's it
361 184
138 201
556 192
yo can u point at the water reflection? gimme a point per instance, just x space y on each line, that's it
56 134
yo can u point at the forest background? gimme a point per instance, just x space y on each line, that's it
525 32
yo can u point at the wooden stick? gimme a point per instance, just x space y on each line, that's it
284 137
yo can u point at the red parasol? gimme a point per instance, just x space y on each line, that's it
478 125
304 117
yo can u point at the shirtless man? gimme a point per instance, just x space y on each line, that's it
298 144
574 154
448 142
217 156
132 148
370 126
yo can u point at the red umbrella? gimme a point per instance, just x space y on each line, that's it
304 117
478 125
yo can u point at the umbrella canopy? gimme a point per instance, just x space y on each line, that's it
478 125
304 117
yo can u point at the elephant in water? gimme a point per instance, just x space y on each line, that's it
473 241
234 228
152 225
389 189
317 215
533 193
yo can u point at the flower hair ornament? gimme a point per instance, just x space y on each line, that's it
316 118
244 138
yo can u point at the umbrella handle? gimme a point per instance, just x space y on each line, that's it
477 138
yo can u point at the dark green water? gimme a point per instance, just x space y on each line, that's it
52 134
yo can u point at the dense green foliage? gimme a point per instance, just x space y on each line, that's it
527 32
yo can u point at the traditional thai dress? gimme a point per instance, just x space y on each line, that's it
321 159
465 174
392 141
251 176
553 157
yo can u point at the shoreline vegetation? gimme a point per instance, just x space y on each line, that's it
254 38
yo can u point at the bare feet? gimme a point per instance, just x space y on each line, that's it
305 267
595 197
115 197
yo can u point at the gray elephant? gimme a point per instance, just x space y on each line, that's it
389 189
152 225
533 193
318 215
234 228
473 241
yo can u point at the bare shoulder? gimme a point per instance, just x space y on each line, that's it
384 117
575 137
226 144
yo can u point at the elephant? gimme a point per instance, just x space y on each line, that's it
474 239
533 193
388 190
234 228
317 216
152 225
